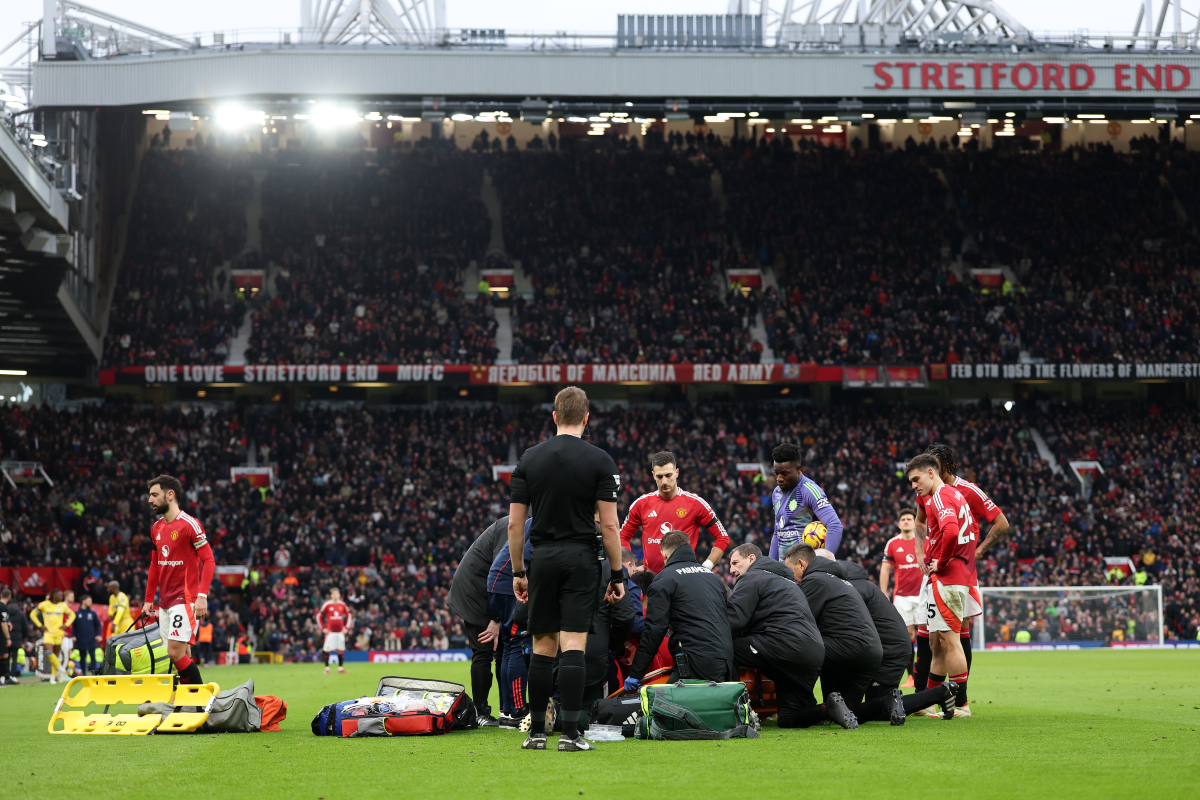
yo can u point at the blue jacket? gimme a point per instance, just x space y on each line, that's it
500 578
639 615
87 626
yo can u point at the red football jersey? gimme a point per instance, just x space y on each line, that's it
902 554
926 506
656 517
182 565
333 617
981 507
951 536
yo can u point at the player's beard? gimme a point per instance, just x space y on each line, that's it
162 510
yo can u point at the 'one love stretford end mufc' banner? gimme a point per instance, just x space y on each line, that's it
461 373
515 374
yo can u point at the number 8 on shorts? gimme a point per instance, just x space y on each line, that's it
179 622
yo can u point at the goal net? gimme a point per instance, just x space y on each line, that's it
1069 617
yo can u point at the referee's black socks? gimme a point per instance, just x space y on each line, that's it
541 686
572 672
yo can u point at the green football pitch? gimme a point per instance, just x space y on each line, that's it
1086 724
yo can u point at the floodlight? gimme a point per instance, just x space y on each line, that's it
332 117
236 117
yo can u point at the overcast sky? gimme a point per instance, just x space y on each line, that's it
175 16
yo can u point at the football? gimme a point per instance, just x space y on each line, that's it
814 535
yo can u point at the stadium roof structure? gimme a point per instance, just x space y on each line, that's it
768 50
42 325
796 21
74 83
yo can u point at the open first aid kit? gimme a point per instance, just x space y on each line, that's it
400 707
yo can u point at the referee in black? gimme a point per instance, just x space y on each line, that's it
566 481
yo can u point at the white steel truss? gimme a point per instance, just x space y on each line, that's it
1178 37
792 19
372 21
100 33
806 21
97 34
14 68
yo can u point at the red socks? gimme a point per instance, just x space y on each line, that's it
961 696
188 671
935 681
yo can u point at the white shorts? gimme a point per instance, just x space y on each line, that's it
950 605
923 600
335 641
179 622
909 607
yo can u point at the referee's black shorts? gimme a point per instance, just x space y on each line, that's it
562 587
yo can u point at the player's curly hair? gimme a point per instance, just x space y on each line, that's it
786 453
945 455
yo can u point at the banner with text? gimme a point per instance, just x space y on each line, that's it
282 373
465 373
1115 74
409 656
1182 371
897 376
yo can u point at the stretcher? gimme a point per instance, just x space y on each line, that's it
130 690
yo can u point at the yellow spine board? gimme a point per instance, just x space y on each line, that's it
131 690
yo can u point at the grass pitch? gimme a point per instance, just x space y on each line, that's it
1086 724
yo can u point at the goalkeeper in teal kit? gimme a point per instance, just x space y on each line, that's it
796 501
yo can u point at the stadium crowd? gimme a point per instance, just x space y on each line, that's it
873 252
626 249
175 301
626 253
1099 283
367 256
383 501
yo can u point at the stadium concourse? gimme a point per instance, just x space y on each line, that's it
383 501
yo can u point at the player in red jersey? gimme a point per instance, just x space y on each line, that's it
671 509
334 618
900 556
982 508
950 562
181 570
